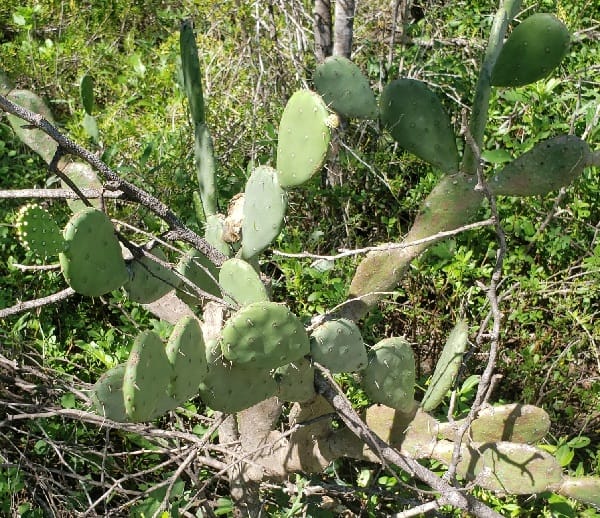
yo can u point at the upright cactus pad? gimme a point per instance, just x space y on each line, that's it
147 376
190 66
241 283
548 166
84 177
338 345
389 378
447 367
36 139
345 89
107 395
86 92
213 233
296 381
38 231
187 356
535 48
264 335
148 280
415 117
265 203
231 388
304 136
198 269
92 263
205 169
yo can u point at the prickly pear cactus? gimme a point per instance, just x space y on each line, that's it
304 136
533 50
264 335
38 231
296 381
389 377
548 166
338 345
355 99
241 284
107 395
91 262
148 280
265 203
415 117
198 269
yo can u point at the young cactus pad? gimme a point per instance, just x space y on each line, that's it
187 355
241 283
264 335
36 139
38 231
345 89
548 166
148 280
92 263
198 269
535 48
390 377
447 367
107 395
304 136
147 376
415 117
265 203
338 345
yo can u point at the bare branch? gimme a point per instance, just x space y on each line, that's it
58 193
37 303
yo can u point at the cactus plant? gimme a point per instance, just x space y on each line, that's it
296 381
338 345
91 262
107 395
38 231
198 269
240 283
149 281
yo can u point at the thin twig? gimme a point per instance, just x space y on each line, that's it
37 303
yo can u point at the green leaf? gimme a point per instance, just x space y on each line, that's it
496 156
68 400
564 455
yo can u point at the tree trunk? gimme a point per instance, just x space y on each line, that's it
322 29
344 27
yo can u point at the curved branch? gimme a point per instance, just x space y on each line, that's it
37 303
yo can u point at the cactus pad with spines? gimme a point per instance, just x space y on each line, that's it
415 117
148 280
34 138
264 335
338 345
38 231
147 376
84 177
265 203
548 166
296 381
91 262
534 48
304 137
389 377
213 233
241 283
198 269
187 356
107 395
345 89
447 367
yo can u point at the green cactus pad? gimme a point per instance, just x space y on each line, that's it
146 378
345 89
548 166
534 48
190 66
187 355
584 489
92 263
507 467
84 177
304 137
265 203
447 367
198 268
36 139
205 169
107 395
264 335
232 388
149 281
38 231
418 122
338 345
86 92
296 381
213 233
241 284
389 377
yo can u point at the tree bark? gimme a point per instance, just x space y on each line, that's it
343 27
322 29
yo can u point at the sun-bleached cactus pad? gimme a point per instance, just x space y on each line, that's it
91 262
415 117
304 136
38 232
345 89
